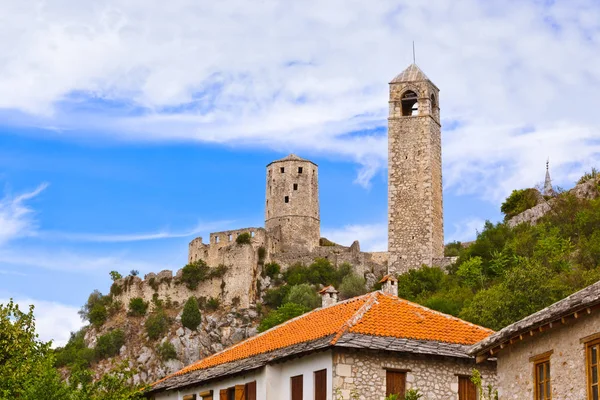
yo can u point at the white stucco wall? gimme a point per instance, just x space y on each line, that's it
272 382
567 362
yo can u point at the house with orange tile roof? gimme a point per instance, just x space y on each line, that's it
370 346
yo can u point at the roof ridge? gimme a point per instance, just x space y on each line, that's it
357 315
452 317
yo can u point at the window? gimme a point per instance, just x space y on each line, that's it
239 392
410 104
543 388
295 186
189 397
466 389
206 395
282 169
321 385
395 382
229 237
286 199
250 391
296 387
216 239
299 170
592 354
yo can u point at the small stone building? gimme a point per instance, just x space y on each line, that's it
552 354
368 346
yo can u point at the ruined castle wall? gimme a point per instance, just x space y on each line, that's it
239 282
213 253
292 203
415 215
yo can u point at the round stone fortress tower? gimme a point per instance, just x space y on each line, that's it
292 207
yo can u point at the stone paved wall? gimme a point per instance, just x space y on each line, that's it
295 223
436 377
567 362
415 209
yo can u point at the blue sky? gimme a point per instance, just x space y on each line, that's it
131 127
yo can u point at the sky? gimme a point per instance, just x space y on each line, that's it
130 127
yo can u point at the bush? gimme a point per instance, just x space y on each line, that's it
243 238
75 355
519 201
194 273
321 271
157 324
218 272
97 315
282 314
304 295
109 344
116 289
274 297
213 304
453 249
137 307
114 275
353 285
94 310
326 242
166 351
153 284
413 394
272 270
134 272
191 317
593 174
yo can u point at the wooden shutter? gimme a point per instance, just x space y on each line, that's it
250 391
297 382
466 389
189 397
223 394
240 392
395 382
321 385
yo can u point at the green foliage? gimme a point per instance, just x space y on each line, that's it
489 394
94 310
137 307
413 394
108 345
519 201
274 297
114 275
282 314
213 303
304 295
218 272
271 270
190 316
243 238
75 354
453 249
134 272
392 397
194 273
153 283
157 324
166 351
352 285
320 272
593 174
116 289
326 242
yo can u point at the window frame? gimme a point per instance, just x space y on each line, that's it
588 366
538 360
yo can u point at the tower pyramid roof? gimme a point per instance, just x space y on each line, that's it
548 190
291 157
411 74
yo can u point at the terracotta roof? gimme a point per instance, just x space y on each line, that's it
373 314
411 74
587 297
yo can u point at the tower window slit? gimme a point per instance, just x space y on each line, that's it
282 169
299 170
286 199
295 186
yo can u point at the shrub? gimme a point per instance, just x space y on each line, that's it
97 315
94 310
304 295
271 270
190 316
194 273
157 324
519 201
413 394
76 355
153 283
114 275
116 289
274 297
218 272
156 301
321 271
594 173
326 242
243 238
166 351
453 249
282 314
134 272
109 344
137 307
213 303
353 285
296 274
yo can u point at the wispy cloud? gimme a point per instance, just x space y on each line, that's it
16 218
372 237
466 230
54 321
315 82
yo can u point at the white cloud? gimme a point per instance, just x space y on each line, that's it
54 321
521 77
466 230
16 218
372 237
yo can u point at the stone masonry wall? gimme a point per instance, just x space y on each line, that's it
415 214
567 362
292 203
436 377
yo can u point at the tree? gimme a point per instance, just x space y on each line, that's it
157 324
519 201
134 272
282 314
243 238
304 295
191 317
194 273
352 285
114 275
137 307
94 310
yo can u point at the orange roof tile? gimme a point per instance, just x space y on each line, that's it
376 314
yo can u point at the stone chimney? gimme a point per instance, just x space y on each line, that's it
329 296
389 285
